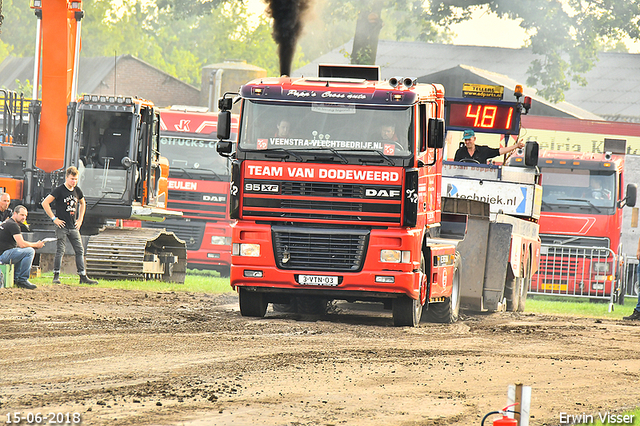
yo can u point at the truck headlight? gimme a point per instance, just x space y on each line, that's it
220 241
244 249
395 256
601 267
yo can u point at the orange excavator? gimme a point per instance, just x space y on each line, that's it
112 140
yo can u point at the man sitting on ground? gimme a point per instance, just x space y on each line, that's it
14 249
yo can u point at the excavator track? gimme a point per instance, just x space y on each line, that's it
136 253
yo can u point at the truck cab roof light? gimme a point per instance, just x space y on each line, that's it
518 91
576 163
257 90
397 97
606 164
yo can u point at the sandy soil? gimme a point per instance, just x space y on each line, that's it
140 358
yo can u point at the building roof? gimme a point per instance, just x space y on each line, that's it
453 79
612 90
91 72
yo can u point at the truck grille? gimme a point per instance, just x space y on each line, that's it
320 249
320 189
192 204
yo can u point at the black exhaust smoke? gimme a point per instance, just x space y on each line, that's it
287 25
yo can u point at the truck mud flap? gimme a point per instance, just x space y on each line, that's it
499 246
484 252
136 253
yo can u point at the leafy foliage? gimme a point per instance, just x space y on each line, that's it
567 34
182 36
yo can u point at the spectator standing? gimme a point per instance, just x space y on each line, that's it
14 249
635 315
70 207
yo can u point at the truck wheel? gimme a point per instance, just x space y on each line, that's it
447 312
526 282
309 305
225 272
406 311
252 304
286 308
512 293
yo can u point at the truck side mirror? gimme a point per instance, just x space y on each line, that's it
531 153
224 125
436 133
224 148
632 192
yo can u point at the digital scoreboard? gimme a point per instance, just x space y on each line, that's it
482 115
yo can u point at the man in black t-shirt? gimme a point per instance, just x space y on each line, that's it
480 153
70 208
14 249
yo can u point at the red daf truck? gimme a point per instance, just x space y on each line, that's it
581 221
198 186
336 188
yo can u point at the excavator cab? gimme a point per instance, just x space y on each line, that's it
116 149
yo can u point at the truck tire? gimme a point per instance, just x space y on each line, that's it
447 312
252 304
225 272
512 293
285 308
526 283
406 311
309 305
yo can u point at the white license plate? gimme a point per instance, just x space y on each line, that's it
317 280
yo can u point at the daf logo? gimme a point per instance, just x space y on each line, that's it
382 193
214 198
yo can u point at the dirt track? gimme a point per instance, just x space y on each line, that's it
134 358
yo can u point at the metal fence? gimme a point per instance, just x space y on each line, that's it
632 270
578 271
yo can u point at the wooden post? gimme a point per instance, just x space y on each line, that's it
517 408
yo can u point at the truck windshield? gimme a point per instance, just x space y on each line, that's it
192 155
309 126
563 189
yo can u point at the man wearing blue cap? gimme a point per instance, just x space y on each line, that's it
480 153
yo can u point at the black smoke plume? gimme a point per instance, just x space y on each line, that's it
287 25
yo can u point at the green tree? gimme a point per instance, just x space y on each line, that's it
18 29
567 34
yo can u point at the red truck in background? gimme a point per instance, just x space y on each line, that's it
345 204
581 220
198 186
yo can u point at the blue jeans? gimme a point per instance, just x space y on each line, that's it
76 242
22 258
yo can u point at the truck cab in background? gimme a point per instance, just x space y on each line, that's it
198 186
581 221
